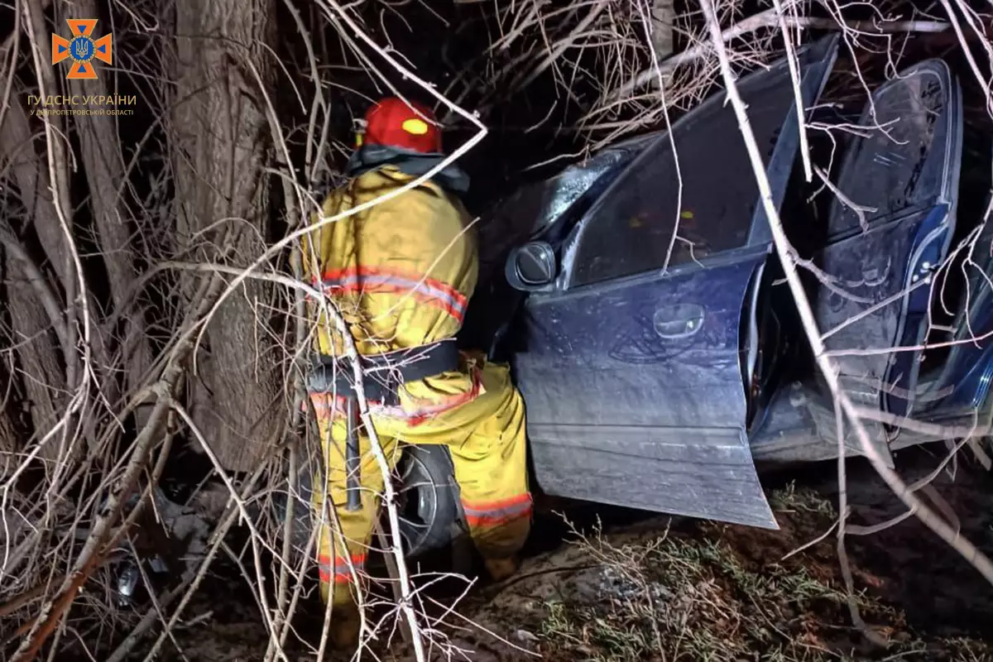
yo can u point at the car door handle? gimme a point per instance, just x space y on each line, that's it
678 321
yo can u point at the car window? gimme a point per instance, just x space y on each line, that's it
631 228
536 206
901 164
539 204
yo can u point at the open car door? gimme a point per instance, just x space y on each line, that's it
903 177
630 361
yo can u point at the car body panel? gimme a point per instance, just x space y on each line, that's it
880 265
620 414
963 385
634 383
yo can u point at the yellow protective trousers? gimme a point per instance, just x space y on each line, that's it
486 437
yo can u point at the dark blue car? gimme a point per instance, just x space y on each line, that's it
659 352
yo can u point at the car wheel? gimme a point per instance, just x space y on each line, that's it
428 499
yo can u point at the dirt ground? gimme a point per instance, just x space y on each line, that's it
609 584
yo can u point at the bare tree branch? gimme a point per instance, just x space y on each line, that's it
770 18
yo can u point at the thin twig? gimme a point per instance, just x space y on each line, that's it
770 18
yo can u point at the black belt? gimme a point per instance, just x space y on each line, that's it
385 373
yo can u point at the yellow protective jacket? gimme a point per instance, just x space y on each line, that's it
402 273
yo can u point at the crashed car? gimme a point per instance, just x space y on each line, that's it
642 307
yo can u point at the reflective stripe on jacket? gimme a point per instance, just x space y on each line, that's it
401 272
377 279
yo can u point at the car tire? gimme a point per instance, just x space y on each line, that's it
428 500
430 510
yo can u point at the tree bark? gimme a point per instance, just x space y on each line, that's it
11 434
18 154
102 158
39 370
219 126
100 152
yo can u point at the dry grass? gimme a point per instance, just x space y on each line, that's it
673 598
709 592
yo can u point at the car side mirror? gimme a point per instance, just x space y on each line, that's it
531 267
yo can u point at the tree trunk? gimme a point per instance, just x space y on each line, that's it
100 152
30 175
35 308
663 22
219 129
11 434
38 357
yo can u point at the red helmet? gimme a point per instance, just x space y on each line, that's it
394 122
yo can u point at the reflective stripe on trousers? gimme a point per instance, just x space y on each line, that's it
495 513
339 567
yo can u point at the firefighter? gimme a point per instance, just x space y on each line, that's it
402 272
